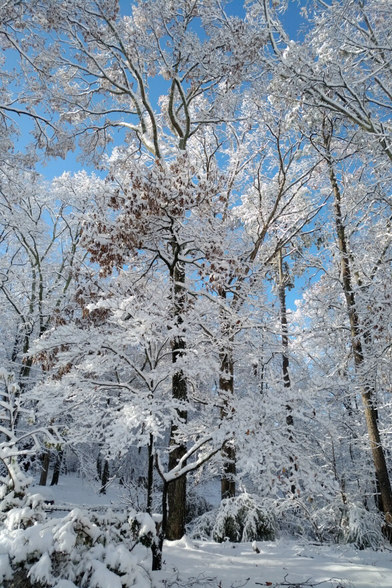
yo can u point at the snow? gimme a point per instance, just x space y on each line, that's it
76 491
44 491
196 563
281 561
5 568
41 571
102 577
147 524
120 557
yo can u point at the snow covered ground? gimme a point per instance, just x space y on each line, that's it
236 565
201 564
76 490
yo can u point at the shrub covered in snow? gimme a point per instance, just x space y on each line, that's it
196 506
363 527
81 549
243 518
335 522
203 526
309 519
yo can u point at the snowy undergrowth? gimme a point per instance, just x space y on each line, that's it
88 550
243 518
248 517
79 550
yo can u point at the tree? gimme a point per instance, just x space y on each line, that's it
40 260
275 207
12 440
117 369
343 66
357 206
39 267
103 64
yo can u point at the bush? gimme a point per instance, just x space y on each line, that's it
243 518
81 549
363 528
202 527
196 506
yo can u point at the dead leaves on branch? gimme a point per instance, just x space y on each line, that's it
150 208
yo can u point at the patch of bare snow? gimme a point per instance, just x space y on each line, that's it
232 565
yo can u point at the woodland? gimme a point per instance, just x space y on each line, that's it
204 299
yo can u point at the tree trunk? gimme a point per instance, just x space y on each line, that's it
285 356
157 547
150 475
368 392
105 477
176 492
226 386
99 466
285 340
156 552
57 468
45 469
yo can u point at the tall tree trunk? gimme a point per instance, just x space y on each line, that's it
105 476
99 465
368 391
226 388
176 492
226 385
150 475
57 468
285 357
45 469
285 339
157 546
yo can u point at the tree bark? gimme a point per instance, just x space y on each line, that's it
157 546
226 386
285 356
57 468
368 391
45 469
176 492
99 465
105 476
156 552
285 340
150 475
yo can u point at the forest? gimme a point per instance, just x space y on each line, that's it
199 301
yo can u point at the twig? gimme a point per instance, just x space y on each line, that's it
308 583
194 581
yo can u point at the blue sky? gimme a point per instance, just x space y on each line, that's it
290 18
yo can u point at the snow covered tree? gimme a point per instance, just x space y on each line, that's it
358 210
341 69
343 64
39 264
230 153
105 64
15 428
